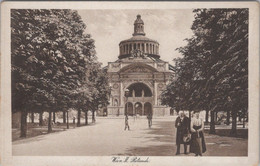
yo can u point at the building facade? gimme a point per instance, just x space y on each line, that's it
139 70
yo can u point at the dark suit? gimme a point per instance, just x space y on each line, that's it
182 126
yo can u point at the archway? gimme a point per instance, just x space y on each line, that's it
138 108
148 108
129 111
115 102
139 90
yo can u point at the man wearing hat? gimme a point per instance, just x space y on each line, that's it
182 125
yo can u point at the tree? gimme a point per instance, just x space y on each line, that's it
99 88
214 64
49 56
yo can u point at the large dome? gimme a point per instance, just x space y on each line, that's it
139 42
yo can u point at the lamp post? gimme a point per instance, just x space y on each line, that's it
126 96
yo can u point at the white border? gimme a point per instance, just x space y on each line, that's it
253 151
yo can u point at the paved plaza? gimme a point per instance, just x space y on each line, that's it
108 137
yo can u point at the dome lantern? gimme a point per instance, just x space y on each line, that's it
138 26
138 43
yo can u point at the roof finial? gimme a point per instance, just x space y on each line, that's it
138 26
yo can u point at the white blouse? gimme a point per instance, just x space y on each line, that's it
196 122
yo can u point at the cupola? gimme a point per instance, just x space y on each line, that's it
138 42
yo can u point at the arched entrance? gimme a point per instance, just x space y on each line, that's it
139 90
148 108
138 108
129 111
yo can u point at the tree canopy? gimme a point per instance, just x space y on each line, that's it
51 56
213 72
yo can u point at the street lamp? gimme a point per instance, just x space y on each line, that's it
126 96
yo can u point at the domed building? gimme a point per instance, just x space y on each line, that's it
140 72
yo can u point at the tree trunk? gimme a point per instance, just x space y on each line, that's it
93 117
240 118
49 123
54 117
212 123
233 131
207 116
64 116
244 125
216 116
79 113
23 123
228 117
86 117
68 120
41 119
190 115
32 117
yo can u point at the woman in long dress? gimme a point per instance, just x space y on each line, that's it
197 144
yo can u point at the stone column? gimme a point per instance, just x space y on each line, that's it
155 93
121 93
142 108
145 48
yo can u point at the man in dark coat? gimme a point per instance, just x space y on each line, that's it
182 124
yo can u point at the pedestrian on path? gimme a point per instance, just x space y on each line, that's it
198 145
74 122
126 122
149 117
182 125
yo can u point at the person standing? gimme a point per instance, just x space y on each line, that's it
182 125
74 122
149 117
197 145
126 123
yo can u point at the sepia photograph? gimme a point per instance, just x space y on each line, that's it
132 84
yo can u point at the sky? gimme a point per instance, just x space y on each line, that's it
109 27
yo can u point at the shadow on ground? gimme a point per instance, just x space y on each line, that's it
164 133
34 130
219 144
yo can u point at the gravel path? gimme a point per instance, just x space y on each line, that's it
108 137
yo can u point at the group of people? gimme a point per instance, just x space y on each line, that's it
190 133
149 117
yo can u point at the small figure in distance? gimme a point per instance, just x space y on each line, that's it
149 117
126 122
74 121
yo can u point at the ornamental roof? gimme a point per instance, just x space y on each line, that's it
139 38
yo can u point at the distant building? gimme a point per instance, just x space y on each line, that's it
140 70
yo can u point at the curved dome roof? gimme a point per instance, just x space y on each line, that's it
139 38
138 42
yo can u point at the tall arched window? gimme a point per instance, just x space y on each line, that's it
130 48
115 102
